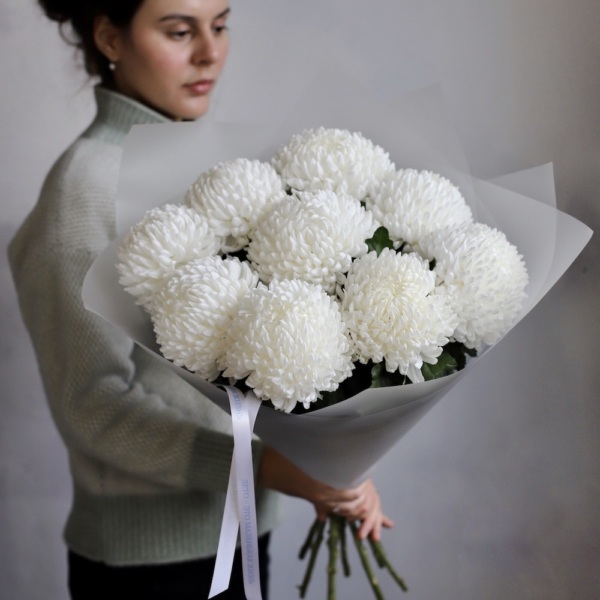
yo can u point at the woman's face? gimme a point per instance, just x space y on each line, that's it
172 55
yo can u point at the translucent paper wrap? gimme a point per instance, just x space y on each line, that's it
160 161
339 444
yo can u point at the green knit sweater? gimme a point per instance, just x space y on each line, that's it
149 455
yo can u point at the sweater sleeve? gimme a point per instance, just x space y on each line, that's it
110 400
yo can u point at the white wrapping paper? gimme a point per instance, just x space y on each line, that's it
338 444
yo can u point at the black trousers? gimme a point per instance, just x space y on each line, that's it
190 580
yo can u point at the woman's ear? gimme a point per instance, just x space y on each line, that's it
107 38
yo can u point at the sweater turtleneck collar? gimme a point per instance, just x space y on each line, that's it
116 114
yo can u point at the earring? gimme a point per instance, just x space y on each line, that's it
111 66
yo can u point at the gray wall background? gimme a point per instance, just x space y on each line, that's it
496 493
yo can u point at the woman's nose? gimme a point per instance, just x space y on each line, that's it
206 51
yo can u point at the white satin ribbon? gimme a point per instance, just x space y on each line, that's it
240 503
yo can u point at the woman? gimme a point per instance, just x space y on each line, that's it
149 456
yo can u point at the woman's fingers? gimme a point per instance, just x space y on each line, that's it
372 527
361 503
367 509
365 501
343 502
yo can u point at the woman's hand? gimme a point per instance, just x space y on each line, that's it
361 503
367 509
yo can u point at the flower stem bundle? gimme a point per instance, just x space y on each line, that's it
336 544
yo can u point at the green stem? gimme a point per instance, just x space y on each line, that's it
317 539
378 553
336 543
335 525
309 539
364 559
344 549
384 563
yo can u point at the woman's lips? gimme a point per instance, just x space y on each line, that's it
201 87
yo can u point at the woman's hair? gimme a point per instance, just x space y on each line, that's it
81 15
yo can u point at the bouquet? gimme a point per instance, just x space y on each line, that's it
291 288
321 273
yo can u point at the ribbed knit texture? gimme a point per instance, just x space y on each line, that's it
149 455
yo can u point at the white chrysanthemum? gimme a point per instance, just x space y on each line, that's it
392 314
311 237
194 309
290 343
166 238
233 196
333 159
485 277
412 204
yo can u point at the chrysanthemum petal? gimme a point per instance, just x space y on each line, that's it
393 315
289 341
332 159
312 237
412 204
153 249
484 276
233 196
193 311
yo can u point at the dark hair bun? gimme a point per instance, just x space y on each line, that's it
61 10
76 20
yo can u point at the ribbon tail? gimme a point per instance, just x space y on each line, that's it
227 540
247 504
244 410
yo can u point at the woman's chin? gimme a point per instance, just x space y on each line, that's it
191 110
184 110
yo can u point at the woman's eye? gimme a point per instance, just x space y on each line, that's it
179 34
219 28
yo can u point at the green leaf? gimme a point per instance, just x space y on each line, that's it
380 240
460 353
453 358
374 375
445 365
380 377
